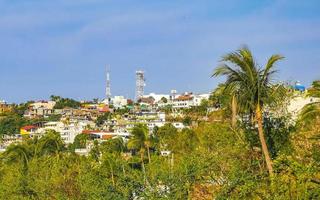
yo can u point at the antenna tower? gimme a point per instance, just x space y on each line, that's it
140 84
108 85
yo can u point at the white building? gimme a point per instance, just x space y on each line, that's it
40 108
119 101
188 100
68 131
297 104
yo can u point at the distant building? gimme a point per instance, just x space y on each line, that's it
297 103
146 100
27 130
157 97
4 107
40 109
188 100
68 129
119 101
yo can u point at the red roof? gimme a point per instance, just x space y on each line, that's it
184 98
106 137
104 109
29 127
90 131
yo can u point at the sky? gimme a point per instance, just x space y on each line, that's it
62 47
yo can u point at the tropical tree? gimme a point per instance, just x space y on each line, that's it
226 97
50 143
80 141
141 140
254 85
20 153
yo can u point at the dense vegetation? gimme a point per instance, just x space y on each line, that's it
237 152
64 102
210 160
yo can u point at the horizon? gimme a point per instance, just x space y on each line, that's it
62 48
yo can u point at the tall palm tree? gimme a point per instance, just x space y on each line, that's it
254 86
223 94
141 140
19 153
50 143
116 147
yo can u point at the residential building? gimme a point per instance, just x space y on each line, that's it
68 130
40 109
4 107
119 101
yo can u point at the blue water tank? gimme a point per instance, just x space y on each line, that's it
299 87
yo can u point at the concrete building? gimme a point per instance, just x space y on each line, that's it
4 107
188 100
297 103
68 131
157 97
40 109
119 101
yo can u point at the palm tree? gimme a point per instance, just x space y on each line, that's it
116 147
50 143
141 140
254 86
19 153
222 95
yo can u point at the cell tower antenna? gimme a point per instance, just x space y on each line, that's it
140 84
108 85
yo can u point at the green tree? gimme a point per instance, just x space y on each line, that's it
11 123
80 141
64 102
50 143
101 119
141 140
164 100
257 90
166 136
19 153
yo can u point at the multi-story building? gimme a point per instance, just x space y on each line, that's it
4 107
188 100
40 109
119 101
68 130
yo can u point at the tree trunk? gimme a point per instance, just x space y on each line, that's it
263 141
234 112
112 176
148 151
123 170
142 165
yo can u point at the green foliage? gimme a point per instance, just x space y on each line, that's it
53 118
80 141
103 118
187 121
277 131
64 102
11 123
208 161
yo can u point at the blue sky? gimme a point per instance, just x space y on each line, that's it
61 47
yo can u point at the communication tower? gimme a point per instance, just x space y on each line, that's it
140 84
108 85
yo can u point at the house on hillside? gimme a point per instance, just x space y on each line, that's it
40 109
4 107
